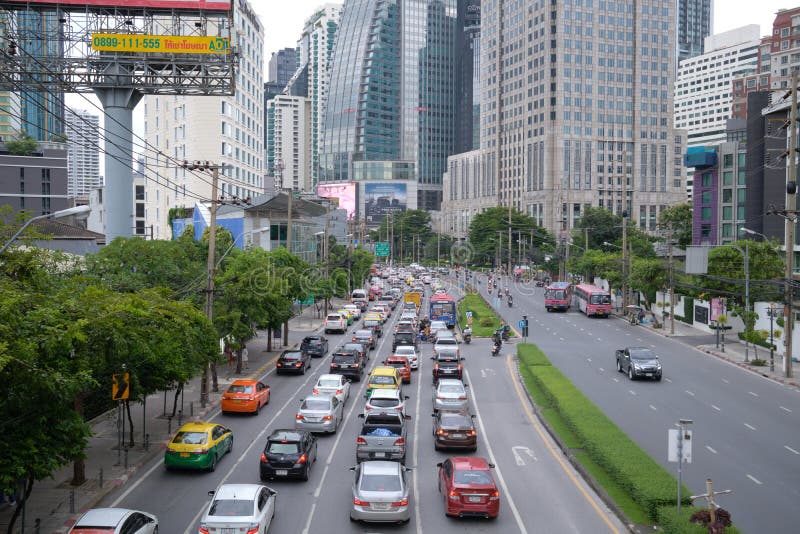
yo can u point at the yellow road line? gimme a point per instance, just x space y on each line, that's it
556 454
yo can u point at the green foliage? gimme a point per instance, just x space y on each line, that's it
680 216
672 523
23 145
484 320
488 235
594 263
756 337
726 270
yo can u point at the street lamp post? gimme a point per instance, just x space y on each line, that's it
77 210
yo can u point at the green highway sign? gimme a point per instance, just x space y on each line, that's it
382 249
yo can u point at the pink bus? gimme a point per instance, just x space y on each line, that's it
593 300
558 296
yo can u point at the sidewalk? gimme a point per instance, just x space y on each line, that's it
56 505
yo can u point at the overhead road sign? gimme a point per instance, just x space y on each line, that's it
382 249
160 44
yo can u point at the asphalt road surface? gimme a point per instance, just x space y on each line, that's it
746 428
540 492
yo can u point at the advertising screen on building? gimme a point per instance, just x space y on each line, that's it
194 5
382 199
343 194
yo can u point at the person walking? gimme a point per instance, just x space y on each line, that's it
245 358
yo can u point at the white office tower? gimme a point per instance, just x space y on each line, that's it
703 97
289 118
221 130
83 153
315 52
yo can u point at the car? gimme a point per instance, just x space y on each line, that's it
115 521
384 309
380 492
360 349
401 364
374 325
353 309
450 394
347 363
288 454
406 324
293 361
316 346
347 315
404 338
384 377
333 384
247 396
335 322
198 445
365 336
446 366
388 300
239 508
454 430
386 400
446 345
639 362
409 352
319 413
409 315
436 326
468 487
373 316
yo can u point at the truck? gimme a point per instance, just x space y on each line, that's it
414 297
382 437
639 362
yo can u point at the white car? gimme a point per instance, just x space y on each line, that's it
386 400
115 521
335 385
450 394
335 322
436 326
409 352
240 508
355 310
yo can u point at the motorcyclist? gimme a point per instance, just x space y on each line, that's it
497 337
467 334
495 349
510 300
500 293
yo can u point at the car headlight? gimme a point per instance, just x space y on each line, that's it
658 365
637 366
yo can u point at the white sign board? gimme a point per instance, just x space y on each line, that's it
673 445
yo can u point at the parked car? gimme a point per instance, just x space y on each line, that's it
247 396
316 346
115 521
288 454
239 508
335 322
293 361
468 487
402 365
348 364
454 430
450 394
639 362
333 384
386 400
319 413
198 445
381 493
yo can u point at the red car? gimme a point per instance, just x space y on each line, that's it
468 488
403 366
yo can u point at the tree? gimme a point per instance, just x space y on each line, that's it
488 235
648 275
680 217
22 145
598 263
726 271
603 226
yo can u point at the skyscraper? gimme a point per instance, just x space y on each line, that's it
391 106
282 65
83 153
468 61
695 23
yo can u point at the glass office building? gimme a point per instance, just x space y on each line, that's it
392 93
694 25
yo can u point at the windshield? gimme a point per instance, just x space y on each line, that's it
371 322
600 298
557 294
334 317
396 363
354 346
404 351
283 448
438 324
455 420
380 483
382 380
642 355
190 438
316 404
231 508
472 477
363 333
446 341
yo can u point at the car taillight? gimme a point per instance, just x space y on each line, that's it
473 433
462 398
203 529
298 364
358 502
435 366
454 495
361 441
334 364
316 391
339 391
400 441
299 417
495 496
264 459
459 367
368 407
355 365
404 502
201 451
372 339
327 418
226 397
279 364
303 458
354 339
252 528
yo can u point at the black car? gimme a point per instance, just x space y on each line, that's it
404 338
293 361
360 348
315 346
446 365
365 336
347 363
454 430
288 454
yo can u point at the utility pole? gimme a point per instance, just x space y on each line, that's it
791 208
671 283
585 239
289 223
566 261
326 252
438 249
624 259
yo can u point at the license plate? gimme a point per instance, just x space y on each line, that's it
237 401
473 498
380 506
184 455
281 472
380 455
313 419
456 435
648 374
345 366
228 530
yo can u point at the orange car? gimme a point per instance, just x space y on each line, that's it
402 366
245 396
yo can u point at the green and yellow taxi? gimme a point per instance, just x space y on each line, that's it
348 315
198 445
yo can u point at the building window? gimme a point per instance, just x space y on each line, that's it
706 197
727 196
705 214
140 209
727 213
727 160
139 192
727 178
706 179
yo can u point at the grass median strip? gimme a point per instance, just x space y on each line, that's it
640 487
484 320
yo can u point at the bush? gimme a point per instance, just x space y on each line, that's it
758 362
755 338
486 321
673 524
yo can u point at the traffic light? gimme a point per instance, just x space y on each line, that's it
120 386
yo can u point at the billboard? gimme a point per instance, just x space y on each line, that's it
383 198
343 194
164 44
195 5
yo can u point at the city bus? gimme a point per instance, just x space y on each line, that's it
558 296
443 308
593 300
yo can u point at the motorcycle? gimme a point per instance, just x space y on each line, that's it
495 349
467 336
510 302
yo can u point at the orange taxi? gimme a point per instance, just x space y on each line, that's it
247 396
402 365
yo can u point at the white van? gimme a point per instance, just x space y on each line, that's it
359 298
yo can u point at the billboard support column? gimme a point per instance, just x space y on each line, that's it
118 107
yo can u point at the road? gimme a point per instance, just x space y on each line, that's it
746 428
540 492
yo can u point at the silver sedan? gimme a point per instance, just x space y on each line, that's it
319 413
380 493
450 394
335 385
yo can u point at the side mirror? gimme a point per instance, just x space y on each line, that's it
361 415
352 468
439 464
211 493
433 415
491 465
407 417
472 416
433 357
406 397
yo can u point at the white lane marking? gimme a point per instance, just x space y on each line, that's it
617 329
518 456
638 339
616 380
602 370
581 329
751 427
628 334
497 471
753 394
653 408
588 359
785 409
716 407
598 339
668 380
652 346
561 338
726 381
711 450
631 392
788 448
689 393
754 479
415 458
